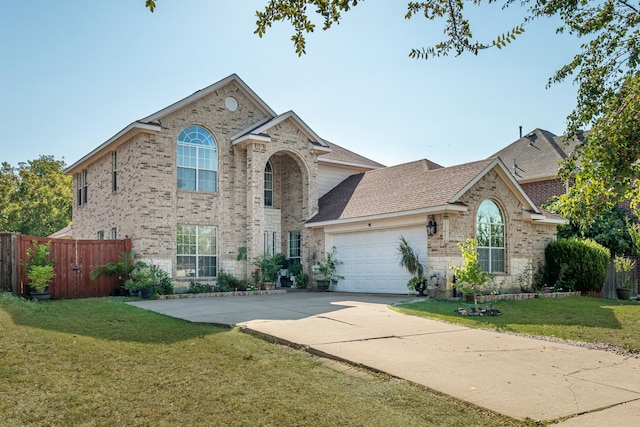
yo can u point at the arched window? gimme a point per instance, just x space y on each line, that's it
490 236
268 185
197 160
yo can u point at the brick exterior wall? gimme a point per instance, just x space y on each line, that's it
525 240
541 191
147 205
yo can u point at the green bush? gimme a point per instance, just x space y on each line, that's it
583 263
227 282
164 284
199 288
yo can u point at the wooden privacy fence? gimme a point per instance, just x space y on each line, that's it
74 260
609 288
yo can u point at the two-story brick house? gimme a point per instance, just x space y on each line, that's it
219 170
216 171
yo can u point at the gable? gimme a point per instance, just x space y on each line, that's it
233 79
261 132
210 100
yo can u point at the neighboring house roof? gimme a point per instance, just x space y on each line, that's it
341 156
536 156
63 233
416 187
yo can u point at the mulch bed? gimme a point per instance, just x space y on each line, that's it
478 311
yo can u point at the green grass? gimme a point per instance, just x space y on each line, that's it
101 362
575 318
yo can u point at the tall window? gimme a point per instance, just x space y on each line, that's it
114 172
82 187
197 160
270 242
268 185
490 235
294 245
101 235
197 251
114 233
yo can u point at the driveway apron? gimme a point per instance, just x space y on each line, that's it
516 376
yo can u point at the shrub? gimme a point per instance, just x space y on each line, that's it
540 277
164 284
227 282
199 288
586 263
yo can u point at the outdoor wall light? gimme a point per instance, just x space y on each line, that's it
432 227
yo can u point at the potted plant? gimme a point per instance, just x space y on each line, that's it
327 268
301 280
39 266
471 279
410 260
284 265
122 271
623 266
142 280
269 266
145 278
40 276
295 268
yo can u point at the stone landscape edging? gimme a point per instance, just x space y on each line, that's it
223 294
524 296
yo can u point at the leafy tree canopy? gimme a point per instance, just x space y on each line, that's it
614 229
605 166
35 197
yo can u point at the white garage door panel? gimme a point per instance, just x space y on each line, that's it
370 259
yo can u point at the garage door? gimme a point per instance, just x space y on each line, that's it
370 259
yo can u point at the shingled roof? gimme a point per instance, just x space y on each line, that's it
536 156
341 155
404 188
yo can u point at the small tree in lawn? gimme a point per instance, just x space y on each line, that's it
471 278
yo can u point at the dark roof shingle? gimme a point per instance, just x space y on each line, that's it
536 156
406 187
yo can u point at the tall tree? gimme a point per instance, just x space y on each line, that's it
8 190
605 71
36 197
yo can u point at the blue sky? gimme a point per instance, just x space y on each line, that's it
74 73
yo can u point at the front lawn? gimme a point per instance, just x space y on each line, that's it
101 362
591 320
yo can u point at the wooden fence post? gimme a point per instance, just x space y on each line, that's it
8 262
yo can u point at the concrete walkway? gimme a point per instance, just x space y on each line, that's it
516 376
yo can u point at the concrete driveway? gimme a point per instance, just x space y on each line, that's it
516 376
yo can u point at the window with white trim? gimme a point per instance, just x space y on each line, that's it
197 251
197 161
114 233
268 185
101 235
294 245
490 237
